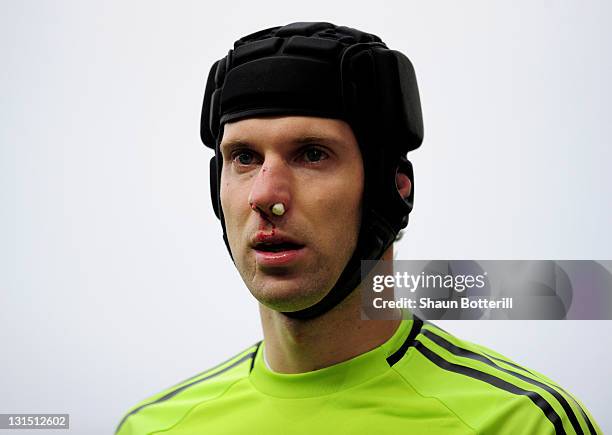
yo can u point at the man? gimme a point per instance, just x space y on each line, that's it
310 124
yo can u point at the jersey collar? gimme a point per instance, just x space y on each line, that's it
330 379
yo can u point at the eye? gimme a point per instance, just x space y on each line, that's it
314 155
243 157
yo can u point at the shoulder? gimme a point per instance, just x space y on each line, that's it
489 391
170 405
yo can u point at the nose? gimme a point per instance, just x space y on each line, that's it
272 186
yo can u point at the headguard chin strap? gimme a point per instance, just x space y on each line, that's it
319 69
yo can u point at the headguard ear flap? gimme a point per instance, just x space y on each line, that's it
380 90
405 167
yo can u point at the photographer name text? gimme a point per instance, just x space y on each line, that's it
430 303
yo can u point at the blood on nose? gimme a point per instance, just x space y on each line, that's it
271 186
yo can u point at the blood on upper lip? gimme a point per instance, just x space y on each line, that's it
267 237
262 237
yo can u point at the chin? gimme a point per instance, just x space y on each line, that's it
288 296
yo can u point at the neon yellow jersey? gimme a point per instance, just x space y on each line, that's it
422 380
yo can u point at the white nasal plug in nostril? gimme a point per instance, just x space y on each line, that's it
278 209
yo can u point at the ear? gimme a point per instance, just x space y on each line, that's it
404 186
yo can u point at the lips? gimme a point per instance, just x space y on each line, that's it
274 242
276 250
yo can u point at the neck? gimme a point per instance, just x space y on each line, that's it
299 346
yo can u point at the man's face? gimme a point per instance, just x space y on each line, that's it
312 166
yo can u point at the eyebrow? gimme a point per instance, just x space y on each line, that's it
316 139
302 140
233 143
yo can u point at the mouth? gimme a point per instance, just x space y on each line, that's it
277 247
272 250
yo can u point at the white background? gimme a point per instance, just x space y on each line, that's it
114 280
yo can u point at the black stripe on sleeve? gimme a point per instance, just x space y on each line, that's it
584 414
417 324
456 350
539 401
510 363
592 429
173 393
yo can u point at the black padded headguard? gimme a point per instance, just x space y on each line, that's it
320 69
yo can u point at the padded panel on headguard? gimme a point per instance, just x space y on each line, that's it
256 49
220 73
358 36
205 131
302 28
383 92
327 48
412 102
282 84
214 194
214 113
